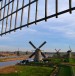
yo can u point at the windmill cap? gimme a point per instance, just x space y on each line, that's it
69 51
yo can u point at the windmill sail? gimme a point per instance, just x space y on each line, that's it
32 44
32 55
43 54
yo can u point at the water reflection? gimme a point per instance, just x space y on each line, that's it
2 64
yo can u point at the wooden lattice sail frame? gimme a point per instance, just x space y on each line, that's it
6 21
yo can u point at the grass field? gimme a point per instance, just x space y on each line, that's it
72 60
54 60
65 71
28 71
73 69
40 69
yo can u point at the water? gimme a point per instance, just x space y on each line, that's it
2 64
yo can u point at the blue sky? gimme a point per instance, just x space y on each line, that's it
59 33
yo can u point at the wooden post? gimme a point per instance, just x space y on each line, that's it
16 15
11 16
36 12
3 17
28 13
7 17
1 8
46 1
70 6
22 14
56 8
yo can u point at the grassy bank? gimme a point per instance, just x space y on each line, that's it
72 60
65 71
73 70
27 71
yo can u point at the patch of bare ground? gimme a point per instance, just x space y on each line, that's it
9 69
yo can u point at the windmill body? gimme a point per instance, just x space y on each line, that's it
69 52
38 53
38 56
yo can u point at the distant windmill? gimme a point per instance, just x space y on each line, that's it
18 53
38 53
57 52
69 54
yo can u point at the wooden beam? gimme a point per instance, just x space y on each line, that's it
56 9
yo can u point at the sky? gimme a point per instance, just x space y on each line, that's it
58 32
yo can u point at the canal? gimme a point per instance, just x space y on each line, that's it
9 63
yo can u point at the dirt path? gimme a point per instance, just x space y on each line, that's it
54 73
7 69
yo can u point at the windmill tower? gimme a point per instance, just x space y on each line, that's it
57 52
18 52
38 53
69 52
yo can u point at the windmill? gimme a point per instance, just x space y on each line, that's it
18 52
69 54
38 53
57 52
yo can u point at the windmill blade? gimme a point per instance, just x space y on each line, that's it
59 50
32 44
56 50
32 55
42 44
69 47
43 54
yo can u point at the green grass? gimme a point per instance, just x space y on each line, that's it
54 60
30 71
12 74
57 60
73 70
66 59
65 71
72 60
